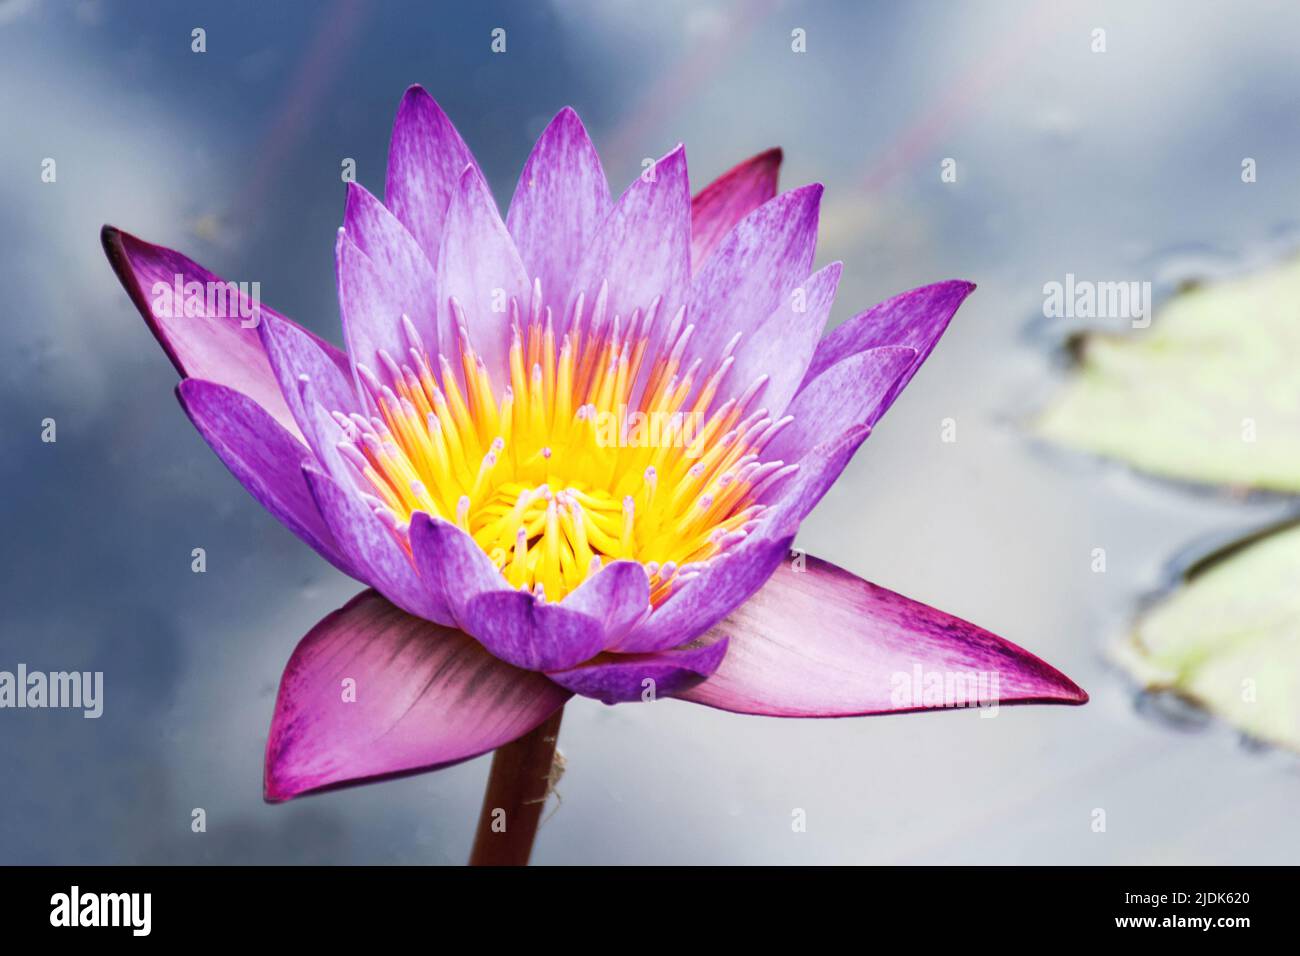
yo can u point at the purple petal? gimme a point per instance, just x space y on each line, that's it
405 270
791 501
618 678
643 248
528 632
560 202
372 548
452 565
728 199
265 458
215 348
372 692
371 305
782 346
915 319
293 354
853 392
480 269
618 596
754 269
425 160
702 601
824 643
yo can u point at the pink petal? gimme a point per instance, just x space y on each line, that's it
425 160
425 696
214 348
728 199
824 643
560 202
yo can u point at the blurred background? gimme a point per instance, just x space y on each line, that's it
1123 164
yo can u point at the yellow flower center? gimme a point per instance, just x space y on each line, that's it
594 452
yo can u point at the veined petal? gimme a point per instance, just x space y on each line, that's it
824 643
560 201
293 353
915 319
370 304
263 456
791 501
642 249
452 565
515 625
783 344
425 160
423 697
854 391
760 261
480 270
404 268
618 678
728 199
528 632
371 548
222 348
618 596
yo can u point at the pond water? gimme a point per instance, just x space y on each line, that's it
1122 165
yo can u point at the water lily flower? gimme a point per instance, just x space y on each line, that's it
568 451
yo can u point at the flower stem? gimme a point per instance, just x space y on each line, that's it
517 788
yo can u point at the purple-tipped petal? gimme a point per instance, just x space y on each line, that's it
221 348
618 678
728 199
407 273
915 319
480 269
855 391
722 584
531 633
372 548
264 457
824 643
425 160
293 354
643 248
783 345
372 692
452 565
756 266
560 201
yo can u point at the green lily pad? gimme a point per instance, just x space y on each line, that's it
1209 392
1229 638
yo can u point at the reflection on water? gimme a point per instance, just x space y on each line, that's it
1112 166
